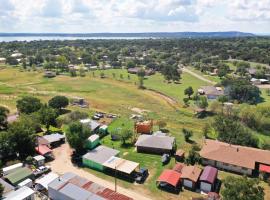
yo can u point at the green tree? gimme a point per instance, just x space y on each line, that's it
58 102
187 134
3 117
47 116
161 124
28 104
22 137
223 69
189 91
193 156
77 135
141 74
125 135
202 102
131 64
1 190
242 188
6 147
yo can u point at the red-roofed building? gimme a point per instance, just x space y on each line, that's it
170 180
44 150
264 168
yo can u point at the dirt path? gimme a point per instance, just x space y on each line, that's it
62 164
169 100
198 76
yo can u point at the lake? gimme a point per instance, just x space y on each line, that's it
37 38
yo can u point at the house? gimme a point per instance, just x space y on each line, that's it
70 186
211 92
19 175
235 158
155 144
169 180
39 160
95 158
135 70
261 81
23 193
16 55
51 140
11 168
92 141
208 179
3 61
144 127
7 187
44 151
42 183
93 125
190 176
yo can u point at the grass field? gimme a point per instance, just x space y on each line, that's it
117 95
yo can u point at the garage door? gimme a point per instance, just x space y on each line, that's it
188 183
206 187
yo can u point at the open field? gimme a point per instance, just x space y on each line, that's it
116 95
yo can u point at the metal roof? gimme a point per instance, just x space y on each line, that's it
121 165
170 176
101 154
79 188
155 141
91 123
20 194
93 138
19 175
54 137
47 179
39 157
209 174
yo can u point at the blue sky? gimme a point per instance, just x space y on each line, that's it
81 16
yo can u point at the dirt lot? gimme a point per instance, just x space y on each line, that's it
62 164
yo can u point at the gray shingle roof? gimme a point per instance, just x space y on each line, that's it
155 141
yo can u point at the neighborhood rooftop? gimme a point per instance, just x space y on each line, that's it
234 154
154 141
121 165
101 154
75 187
22 193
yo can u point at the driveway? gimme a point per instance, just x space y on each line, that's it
62 164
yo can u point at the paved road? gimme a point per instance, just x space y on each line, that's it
62 164
198 76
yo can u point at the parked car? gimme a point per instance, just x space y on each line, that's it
165 159
141 175
42 170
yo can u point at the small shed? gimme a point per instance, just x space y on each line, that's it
23 193
39 160
92 141
27 182
103 130
208 179
190 176
144 127
92 124
19 175
179 155
51 140
169 179
95 158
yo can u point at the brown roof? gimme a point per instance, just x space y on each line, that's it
191 172
234 154
211 90
178 167
180 152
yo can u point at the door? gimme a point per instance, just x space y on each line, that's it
187 183
206 187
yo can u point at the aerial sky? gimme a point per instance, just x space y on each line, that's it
91 16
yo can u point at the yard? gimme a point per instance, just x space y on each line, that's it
114 94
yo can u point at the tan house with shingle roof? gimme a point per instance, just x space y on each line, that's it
235 158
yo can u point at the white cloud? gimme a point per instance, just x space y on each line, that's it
133 15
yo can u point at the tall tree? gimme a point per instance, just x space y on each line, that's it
141 74
28 104
3 117
47 116
242 188
76 135
189 91
58 102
